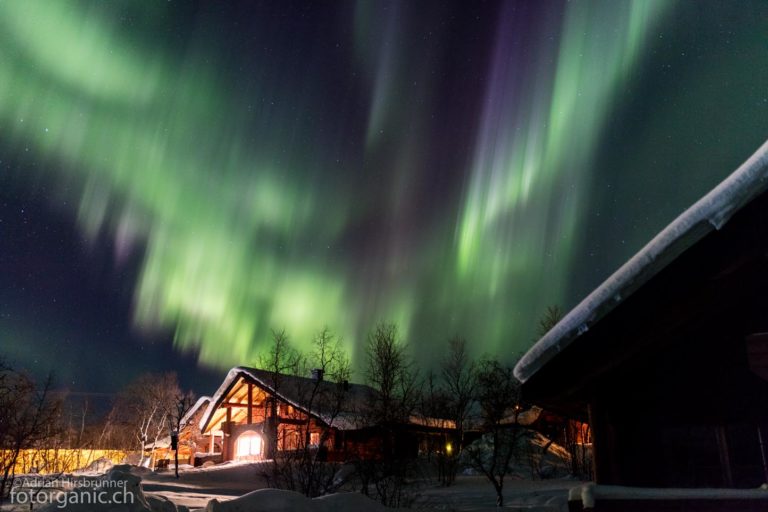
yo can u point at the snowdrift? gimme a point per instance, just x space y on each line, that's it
535 456
120 491
275 500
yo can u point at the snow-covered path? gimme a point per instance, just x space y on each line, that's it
196 487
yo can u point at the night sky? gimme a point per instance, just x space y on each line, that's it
178 178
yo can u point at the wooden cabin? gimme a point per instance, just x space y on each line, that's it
667 359
256 415
190 441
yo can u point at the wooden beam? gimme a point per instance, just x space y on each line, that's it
250 403
233 404
227 439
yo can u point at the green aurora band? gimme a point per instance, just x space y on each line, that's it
531 174
237 231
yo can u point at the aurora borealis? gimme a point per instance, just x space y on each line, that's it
454 167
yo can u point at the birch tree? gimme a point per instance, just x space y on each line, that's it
498 397
145 407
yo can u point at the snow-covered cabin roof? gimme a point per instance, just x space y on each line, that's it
203 401
294 391
709 213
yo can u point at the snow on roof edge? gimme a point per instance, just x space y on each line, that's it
193 410
710 212
216 398
236 372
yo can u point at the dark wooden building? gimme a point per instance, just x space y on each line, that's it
668 358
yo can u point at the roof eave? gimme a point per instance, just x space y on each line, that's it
709 213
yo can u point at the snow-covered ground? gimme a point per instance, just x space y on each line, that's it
239 487
470 493
475 493
197 486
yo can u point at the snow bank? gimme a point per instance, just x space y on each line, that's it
588 495
117 491
535 456
120 491
347 502
275 500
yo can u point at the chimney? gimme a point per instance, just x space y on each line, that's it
317 374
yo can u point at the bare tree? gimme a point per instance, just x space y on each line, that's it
306 469
329 356
281 359
116 430
26 413
52 452
498 397
395 396
391 374
182 403
434 409
145 407
549 319
459 373
578 443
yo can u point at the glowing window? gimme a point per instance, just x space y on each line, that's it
248 444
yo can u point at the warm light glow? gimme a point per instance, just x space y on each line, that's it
448 448
248 444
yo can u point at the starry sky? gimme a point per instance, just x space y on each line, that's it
179 178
